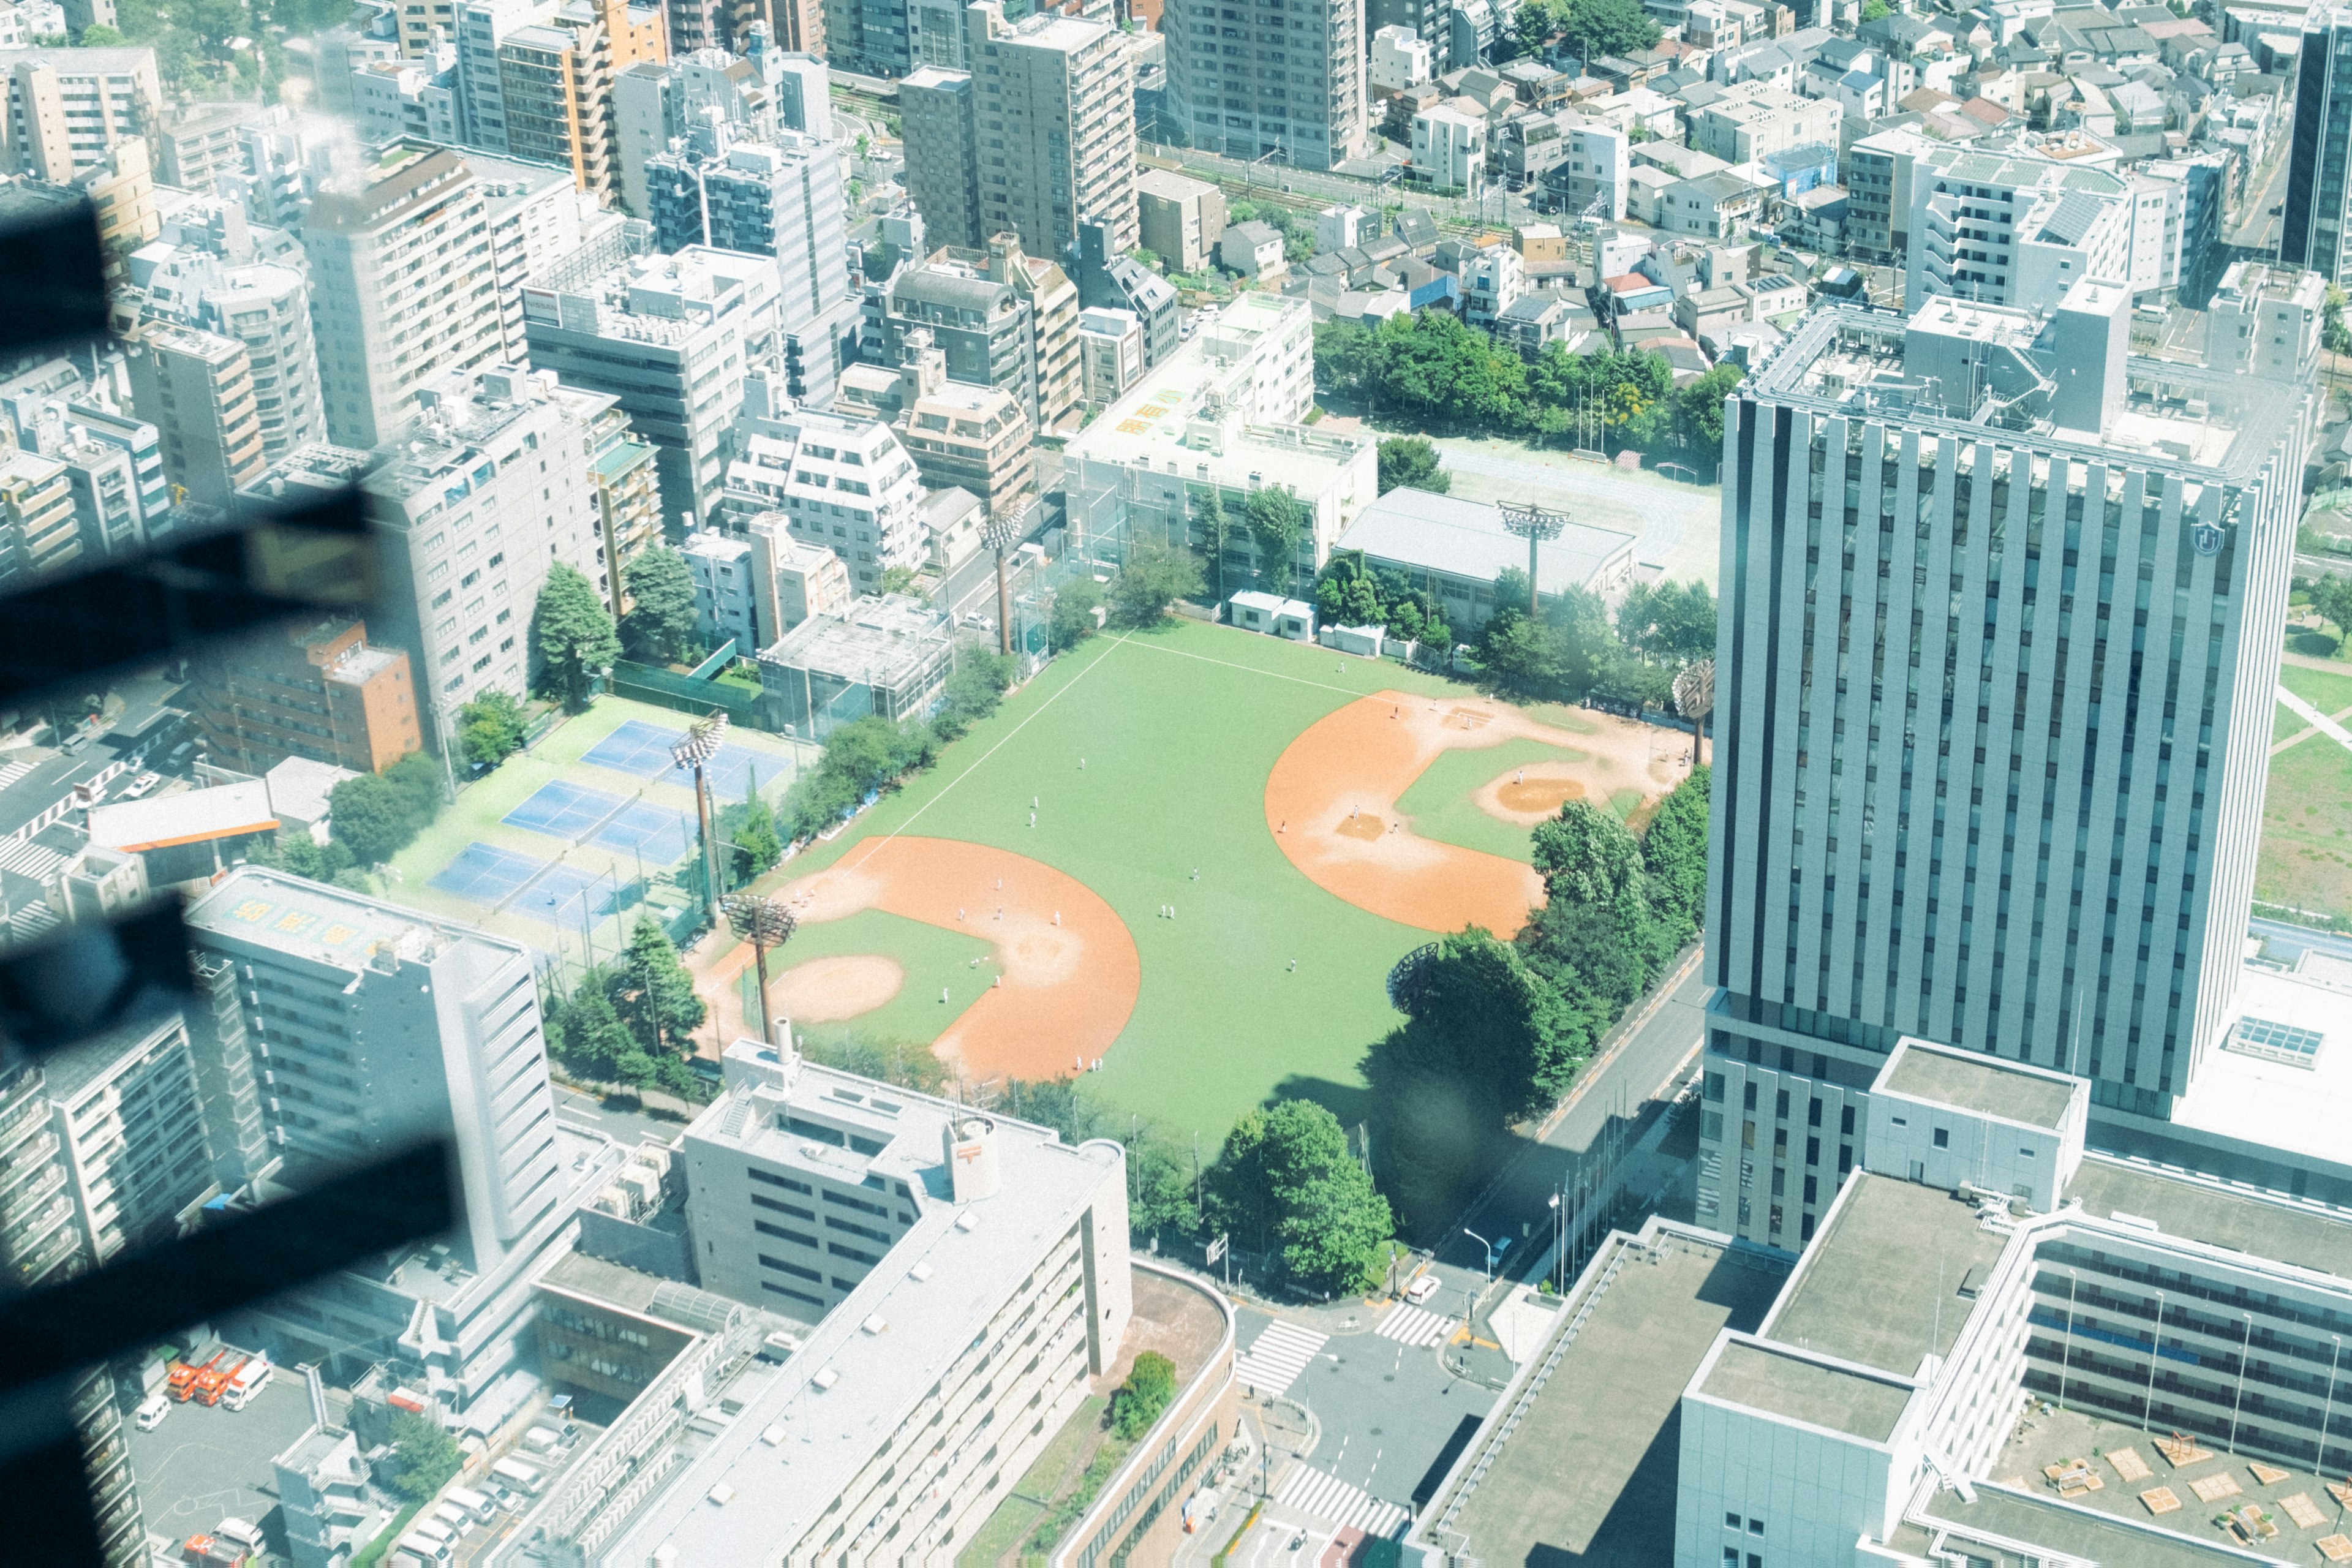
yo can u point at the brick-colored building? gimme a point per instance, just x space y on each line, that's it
323 693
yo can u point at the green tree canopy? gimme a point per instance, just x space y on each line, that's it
490 729
1699 409
653 994
755 833
661 622
1277 522
571 634
377 815
1412 462
1481 1018
588 1036
1286 1172
1674 854
1671 622
424 1456
1154 577
1587 857
1137 1403
1073 618
972 693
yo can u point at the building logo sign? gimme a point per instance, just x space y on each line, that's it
2207 538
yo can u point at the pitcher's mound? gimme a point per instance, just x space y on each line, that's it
1366 827
1541 796
827 990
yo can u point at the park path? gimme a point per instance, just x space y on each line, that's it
2320 723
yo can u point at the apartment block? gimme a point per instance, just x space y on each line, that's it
1053 124
2052 860
1110 346
1261 79
627 474
322 692
555 83
767 89
726 598
2318 202
941 129
196 388
1754 119
131 1127
671 337
1449 149
2266 320
842 483
403 287
68 108
1178 218
198 144
981 326
976 438
39 529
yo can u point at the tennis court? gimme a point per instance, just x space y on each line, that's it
643 750
483 873
655 832
559 897
562 810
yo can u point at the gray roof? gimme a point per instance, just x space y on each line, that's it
1881 1285
2073 218
1771 1378
1466 539
1254 233
1983 1084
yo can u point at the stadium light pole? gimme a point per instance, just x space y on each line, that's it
1695 698
764 923
1000 534
701 744
1536 524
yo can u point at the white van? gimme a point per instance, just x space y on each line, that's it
151 1411
457 1519
522 1477
473 1503
433 1534
415 1548
243 1532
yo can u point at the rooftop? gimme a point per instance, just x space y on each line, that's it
2197 1208
1785 1383
325 924
1466 539
1974 1082
878 642
1881 1285
806 1427
1998 1517
190 817
2283 1073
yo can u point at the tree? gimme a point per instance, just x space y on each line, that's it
1698 408
1587 857
661 622
1480 1018
1073 618
898 580
1871 10
1276 521
1216 532
1410 461
1672 623
653 994
424 1456
2331 596
972 693
1287 1174
98 36
377 815
755 835
572 638
1674 855
1154 577
1596 27
593 1039
1136 1404
490 729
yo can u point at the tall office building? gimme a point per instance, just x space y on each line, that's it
374 1026
776 195
1036 136
2001 618
1264 79
2319 167
402 287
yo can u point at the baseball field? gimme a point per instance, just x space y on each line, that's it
1182 863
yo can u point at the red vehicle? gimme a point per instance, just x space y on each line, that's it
185 1377
218 1375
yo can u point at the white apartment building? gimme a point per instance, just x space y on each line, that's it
2007 230
1594 176
758 93
842 483
403 286
474 500
2266 320
1261 79
1401 58
963 1277
2042 847
1110 349
536 218
68 107
1224 411
1754 118
726 600
1449 148
1493 280
671 336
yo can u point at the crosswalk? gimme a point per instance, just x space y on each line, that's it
30 858
1413 1326
33 919
1322 1495
11 771
1274 1363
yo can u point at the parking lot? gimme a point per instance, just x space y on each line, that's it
205 1464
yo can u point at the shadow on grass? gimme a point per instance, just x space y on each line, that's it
2312 644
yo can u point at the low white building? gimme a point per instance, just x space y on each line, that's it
844 483
1492 282
1449 149
1592 178
1110 353
726 596
1459 548
1338 226
1401 58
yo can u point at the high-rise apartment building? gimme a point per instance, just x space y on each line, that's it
39 529
671 336
536 218
213 271
196 388
844 483
402 286
2318 206
374 1026
765 90
555 82
1263 79
321 691
130 1123
1000 318
2001 617
1035 136
976 438
68 108
775 196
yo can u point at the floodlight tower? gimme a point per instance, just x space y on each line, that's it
1695 698
701 744
1000 534
764 923
1536 524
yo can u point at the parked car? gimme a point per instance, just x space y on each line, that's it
151 1411
1422 1289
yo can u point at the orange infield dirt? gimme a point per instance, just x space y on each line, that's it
1331 798
1068 987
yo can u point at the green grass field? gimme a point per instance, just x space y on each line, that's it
932 956
1440 801
2306 849
2330 693
1179 730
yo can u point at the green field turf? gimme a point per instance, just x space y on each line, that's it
1440 802
931 955
2288 722
2330 693
2306 849
1179 730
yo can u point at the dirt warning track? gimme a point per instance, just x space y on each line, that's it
1069 967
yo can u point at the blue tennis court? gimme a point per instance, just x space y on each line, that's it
484 873
655 832
562 896
562 810
636 747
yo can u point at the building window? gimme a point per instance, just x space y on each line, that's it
1943 1137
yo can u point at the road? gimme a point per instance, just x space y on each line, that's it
2258 231
585 1111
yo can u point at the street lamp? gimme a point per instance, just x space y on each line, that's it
1000 534
1490 1251
1559 1250
701 744
1536 524
764 923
